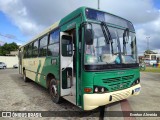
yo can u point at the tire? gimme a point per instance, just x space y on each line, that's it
53 90
4 67
24 77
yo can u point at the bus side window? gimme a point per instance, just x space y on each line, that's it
26 51
53 46
30 50
43 46
35 48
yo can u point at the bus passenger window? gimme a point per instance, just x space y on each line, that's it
35 48
53 49
25 52
53 46
30 50
43 46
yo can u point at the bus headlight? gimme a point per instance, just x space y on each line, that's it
98 89
102 89
136 82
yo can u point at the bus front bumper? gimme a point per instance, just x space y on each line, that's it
92 101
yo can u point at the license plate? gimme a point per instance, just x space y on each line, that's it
137 90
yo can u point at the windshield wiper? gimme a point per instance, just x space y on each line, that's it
108 35
125 34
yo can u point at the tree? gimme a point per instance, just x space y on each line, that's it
7 48
149 52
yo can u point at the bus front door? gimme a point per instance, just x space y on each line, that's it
66 66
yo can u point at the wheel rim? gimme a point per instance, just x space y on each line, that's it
54 91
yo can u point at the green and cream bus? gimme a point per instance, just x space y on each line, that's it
88 58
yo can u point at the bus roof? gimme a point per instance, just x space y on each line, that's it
53 26
57 24
72 15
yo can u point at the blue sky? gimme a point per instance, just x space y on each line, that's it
23 20
7 27
157 3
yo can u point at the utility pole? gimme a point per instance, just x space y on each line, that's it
98 4
9 36
148 37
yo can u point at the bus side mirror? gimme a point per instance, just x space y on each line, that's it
89 36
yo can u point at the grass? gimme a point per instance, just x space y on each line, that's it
152 69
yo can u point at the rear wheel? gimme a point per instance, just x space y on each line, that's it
24 76
4 67
53 89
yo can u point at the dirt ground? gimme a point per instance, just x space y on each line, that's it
16 95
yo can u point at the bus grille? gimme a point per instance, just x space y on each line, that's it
118 83
128 77
118 79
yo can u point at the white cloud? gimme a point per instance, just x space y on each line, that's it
151 29
137 11
141 40
31 17
19 43
17 12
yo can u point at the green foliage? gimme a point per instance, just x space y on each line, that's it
152 69
6 48
149 52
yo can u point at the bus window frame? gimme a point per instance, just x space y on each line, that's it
25 54
49 34
39 49
35 49
104 67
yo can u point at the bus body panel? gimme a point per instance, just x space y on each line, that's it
111 80
37 69
92 101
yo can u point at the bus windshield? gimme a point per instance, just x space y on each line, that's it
118 50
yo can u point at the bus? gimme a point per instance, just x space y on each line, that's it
88 58
151 59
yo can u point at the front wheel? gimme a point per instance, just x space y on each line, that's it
53 89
